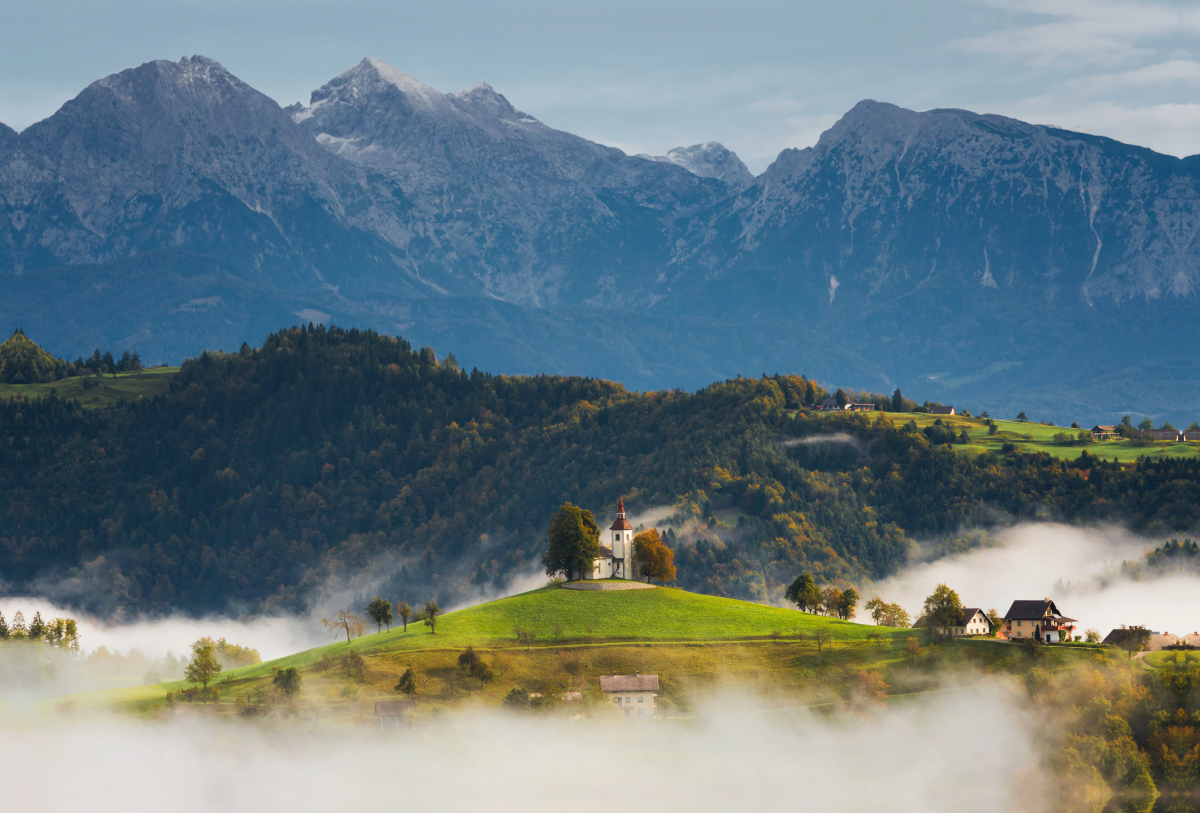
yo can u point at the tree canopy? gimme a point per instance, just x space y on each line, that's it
572 542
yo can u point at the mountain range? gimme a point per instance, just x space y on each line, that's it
971 259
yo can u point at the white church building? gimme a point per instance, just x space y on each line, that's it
616 558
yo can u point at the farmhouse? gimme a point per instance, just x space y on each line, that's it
942 410
616 558
635 695
1189 435
1105 432
830 404
974 622
1036 619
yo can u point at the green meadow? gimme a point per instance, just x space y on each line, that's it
695 643
107 390
1029 437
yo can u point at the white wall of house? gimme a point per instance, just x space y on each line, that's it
634 705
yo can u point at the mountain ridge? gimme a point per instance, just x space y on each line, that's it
970 255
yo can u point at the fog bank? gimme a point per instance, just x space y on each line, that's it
735 755
1077 567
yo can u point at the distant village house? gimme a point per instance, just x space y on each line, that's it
830 404
942 410
1105 432
635 695
1036 619
974 622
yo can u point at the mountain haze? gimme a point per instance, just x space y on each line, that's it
969 258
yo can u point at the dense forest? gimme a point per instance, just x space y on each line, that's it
263 474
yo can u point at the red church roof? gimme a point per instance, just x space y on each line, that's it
621 524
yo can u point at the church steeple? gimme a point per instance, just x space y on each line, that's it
622 543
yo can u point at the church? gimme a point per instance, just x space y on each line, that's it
616 559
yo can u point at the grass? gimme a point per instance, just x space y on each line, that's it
1168 658
1030 437
693 642
107 390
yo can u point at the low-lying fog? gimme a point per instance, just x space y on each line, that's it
1078 567
969 750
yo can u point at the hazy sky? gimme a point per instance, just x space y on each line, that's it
757 75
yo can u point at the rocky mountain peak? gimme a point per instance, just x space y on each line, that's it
371 78
709 160
482 99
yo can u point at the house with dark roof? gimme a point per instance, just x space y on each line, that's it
942 410
1036 619
1163 434
1105 432
636 696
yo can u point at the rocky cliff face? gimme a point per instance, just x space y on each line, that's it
171 207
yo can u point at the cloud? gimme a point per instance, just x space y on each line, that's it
1034 561
737 754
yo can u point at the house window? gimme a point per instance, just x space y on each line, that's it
640 699
1019 623
628 700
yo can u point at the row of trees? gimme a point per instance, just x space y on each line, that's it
573 546
383 613
59 632
831 601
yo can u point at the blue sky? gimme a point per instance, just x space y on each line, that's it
756 75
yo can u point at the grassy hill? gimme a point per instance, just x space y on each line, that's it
108 390
693 642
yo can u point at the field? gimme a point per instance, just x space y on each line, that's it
1034 437
107 390
693 642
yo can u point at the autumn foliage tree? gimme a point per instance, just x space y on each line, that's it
651 558
804 593
943 610
345 621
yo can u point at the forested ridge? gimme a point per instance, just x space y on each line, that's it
263 473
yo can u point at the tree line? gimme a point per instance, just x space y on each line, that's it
261 474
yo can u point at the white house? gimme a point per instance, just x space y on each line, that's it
616 558
974 622
635 695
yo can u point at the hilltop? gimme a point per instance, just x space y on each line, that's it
694 642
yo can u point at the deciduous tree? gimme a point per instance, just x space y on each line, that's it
804 593
287 680
345 621
572 542
429 614
408 682
379 610
943 610
203 668
404 611
651 558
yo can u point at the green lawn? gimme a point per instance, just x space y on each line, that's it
1171 658
108 390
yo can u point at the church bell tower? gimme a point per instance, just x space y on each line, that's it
622 544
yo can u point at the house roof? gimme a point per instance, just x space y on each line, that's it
1104 428
941 410
1030 609
969 613
629 683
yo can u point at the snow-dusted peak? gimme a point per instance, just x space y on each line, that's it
372 76
482 99
709 160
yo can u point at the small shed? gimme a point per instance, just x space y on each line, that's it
391 713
